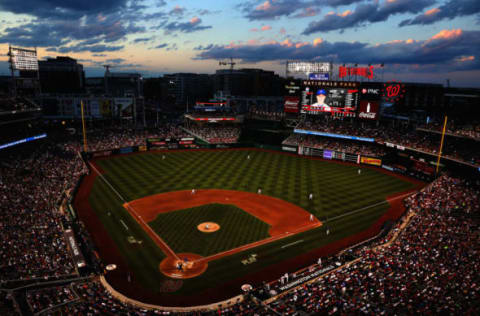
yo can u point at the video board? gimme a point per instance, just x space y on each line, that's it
336 97
23 59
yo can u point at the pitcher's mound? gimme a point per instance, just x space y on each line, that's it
208 227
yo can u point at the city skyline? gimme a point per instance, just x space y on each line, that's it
417 40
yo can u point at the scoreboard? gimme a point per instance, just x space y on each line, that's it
336 97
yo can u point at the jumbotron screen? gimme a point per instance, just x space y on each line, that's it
336 97
23 59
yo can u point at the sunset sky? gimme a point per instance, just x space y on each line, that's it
417 40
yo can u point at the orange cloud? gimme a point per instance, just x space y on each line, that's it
448 34
317 41
346 13
298 45
466 58
432 11
266 28
194 20
264 6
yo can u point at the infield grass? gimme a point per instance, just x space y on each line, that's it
337 189
237 228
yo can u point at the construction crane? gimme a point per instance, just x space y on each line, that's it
225 63
107 74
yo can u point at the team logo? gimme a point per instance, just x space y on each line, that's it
393 90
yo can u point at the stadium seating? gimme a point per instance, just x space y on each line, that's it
428 267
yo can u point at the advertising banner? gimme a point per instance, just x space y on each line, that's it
291 104
288 148
142 148
371 161
126 150
363 139
319 76
327 154
368 110
76 253
102 153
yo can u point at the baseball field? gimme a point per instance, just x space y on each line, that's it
249 218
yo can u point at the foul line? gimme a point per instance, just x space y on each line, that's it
137 217
124 225
257 243
367 207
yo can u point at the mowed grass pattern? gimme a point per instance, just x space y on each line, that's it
337 189
237 227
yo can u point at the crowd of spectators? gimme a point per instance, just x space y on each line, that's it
430 269
341 145
217 135
9 104
403 135
471 130
42 299
117 137
91 298
32 243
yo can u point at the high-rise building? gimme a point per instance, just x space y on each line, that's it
248 82
61 75
187 88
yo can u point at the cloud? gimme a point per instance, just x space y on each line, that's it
99 55
73 25
160 46
85 48
143 39
115 60
366 13
177 11
270 9
201 47
262 29
449 10
193 25
203 12
447 48
63 8
273 9
172 47
307 12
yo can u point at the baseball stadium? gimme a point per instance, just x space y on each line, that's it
257 169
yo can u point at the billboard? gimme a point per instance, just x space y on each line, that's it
318 76
291 104
23 59
307 67
371 161
124 107
329 96
370 97
368 110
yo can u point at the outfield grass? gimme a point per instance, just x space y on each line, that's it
337 189
237 227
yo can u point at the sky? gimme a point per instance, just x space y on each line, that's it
416 40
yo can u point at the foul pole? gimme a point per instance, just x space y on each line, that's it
85 147
441 144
